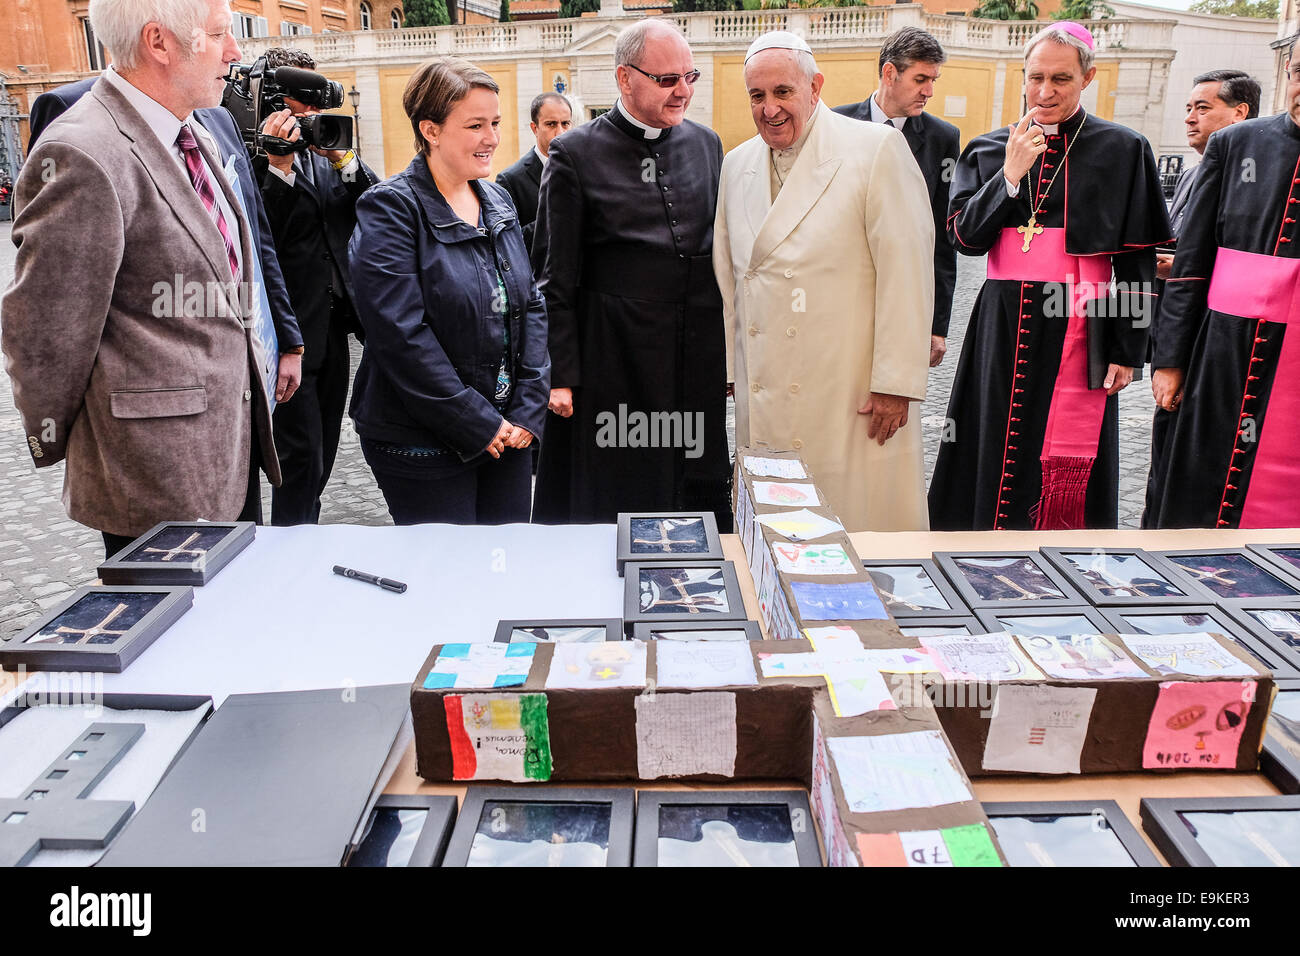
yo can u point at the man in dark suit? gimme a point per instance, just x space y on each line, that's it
311 197
551 116
1218 99
909 66
52 104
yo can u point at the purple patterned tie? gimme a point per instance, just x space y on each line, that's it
203 186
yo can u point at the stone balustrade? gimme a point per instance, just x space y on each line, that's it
834 27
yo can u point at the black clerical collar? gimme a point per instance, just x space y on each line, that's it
619 117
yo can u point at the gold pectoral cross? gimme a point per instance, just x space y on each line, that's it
1029 231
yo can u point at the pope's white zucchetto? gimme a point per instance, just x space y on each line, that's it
778 40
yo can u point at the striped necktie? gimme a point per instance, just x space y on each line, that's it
203 186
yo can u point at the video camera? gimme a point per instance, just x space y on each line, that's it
254 92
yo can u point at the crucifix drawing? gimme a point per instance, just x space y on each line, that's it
1217 575
692 603
53 812
1029 231
182 548
665 543
87 633
1024 593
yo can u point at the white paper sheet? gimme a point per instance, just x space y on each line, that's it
897 771
786 494
980 657
775 467
1197 654
608 664
1038 729
704 664
801 525
803 558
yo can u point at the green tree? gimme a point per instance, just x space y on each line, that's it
425 13
1265 9
1084 10
1006 10
504 16
702 6
576 8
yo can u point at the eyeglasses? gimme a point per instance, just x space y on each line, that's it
668 80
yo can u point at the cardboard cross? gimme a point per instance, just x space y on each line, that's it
52 812
853 674
182 548
101 628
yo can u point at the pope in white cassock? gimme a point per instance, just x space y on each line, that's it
823 252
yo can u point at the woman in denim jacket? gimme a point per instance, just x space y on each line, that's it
454 380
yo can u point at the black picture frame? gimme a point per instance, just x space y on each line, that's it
653 631
1245 616
950 563
911 627
435 832
1271 555
990 618
112 658
625 553
195 572
1276 762
633 615
1291 584
900 609
1189 592
1160 819
1226 621
613 626
650 802
1119 824
620 800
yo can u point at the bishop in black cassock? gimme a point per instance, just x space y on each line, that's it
1032 439
623 249
1225 321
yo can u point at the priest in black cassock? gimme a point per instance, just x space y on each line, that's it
623 250
1226 355
1061 202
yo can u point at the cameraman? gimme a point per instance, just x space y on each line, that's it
310 198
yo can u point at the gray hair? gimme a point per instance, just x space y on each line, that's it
118 23
806 62
1057 35
629 48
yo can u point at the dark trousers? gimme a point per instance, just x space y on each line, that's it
307 435
252 511
423 489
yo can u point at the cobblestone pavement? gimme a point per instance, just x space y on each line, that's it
44 555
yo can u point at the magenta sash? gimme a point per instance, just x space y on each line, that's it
1257 286
1075 415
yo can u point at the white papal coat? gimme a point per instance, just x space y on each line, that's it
828 295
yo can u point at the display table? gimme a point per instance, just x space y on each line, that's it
1126 789
278 619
